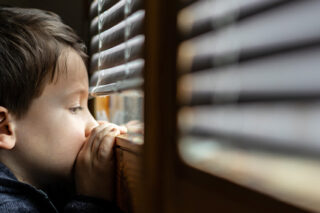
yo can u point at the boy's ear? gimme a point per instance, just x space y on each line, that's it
7 134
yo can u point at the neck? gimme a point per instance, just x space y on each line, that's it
21 173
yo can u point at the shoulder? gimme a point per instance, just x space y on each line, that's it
19 197
10 193
10 197
25 202
17 206
83 203
11 202
16 196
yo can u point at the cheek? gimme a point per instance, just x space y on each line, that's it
69 137
67 150
73 140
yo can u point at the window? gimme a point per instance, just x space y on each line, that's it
116 60
249 94
116 84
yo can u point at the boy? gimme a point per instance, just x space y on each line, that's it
47 134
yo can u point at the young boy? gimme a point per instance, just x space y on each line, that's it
47 134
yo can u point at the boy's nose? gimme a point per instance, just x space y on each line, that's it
91 124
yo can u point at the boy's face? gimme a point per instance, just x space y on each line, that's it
55 127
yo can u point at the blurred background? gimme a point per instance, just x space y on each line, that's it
73 12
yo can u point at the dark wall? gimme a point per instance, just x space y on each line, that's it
73 12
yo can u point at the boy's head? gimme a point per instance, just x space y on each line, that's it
44 119
31 41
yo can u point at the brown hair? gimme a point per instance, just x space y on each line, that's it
31 41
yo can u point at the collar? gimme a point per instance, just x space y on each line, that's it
5 173
9 184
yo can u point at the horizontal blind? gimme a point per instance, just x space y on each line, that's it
249 73
117 41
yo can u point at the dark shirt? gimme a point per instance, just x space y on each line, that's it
16 196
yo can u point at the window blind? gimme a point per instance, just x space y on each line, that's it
116 46
249 73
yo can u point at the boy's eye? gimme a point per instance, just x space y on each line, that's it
75 109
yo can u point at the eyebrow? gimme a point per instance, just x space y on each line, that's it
80 91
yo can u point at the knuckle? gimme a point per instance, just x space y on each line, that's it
100 136
108 139
115 132
113 126
94 131
106 130
103 122
105 147
102 152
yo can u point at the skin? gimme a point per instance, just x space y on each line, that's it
58 140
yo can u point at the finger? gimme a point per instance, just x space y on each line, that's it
95 131
133 122
115 132
99 136
105 149
103 122
123 129
137 128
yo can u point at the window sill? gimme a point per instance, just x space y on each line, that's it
292 179
130 142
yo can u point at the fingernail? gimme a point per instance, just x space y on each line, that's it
124 129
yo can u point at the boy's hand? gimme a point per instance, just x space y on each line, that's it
94 169
134 126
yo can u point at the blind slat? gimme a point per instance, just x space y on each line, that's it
126 29
123 53
266 125
114 15
105 4
280 77
108 18
93 9
274 30
185 3
207 15
130 70
134 83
